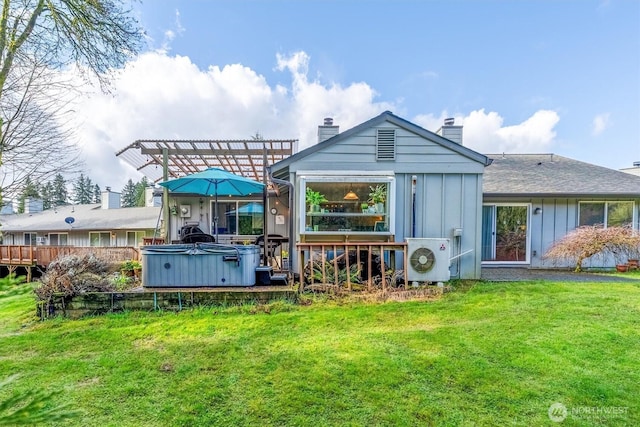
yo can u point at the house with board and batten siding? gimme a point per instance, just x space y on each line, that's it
433 187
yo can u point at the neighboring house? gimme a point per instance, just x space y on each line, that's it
431 185
103 224
532 200
635 170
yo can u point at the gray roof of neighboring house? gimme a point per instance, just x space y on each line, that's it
386 116
86 217
553 175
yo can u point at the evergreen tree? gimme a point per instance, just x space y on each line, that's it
83 190
97 194
60 194
29 190
129 195
47 195
140 191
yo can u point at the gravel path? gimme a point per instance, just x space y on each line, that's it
526 274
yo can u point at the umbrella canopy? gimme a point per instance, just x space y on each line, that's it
248 209
214 182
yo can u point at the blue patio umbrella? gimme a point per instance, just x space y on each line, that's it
214 182
248 209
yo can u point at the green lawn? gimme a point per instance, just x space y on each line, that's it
487 354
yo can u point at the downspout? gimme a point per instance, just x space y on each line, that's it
291 211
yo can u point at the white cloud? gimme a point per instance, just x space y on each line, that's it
170 34
600 123
158 96
485 133
168 97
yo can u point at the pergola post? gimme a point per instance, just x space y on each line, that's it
165 195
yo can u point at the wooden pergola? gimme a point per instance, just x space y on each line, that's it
184 157
164 159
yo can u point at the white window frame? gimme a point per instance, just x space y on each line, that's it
344 178
33 238
100 233
237 203
59 234
493 236
138 235
634 223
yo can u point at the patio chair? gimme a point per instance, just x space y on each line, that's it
273 245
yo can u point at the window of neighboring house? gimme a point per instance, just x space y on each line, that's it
606 214
134 238
58 239
30 239
99 238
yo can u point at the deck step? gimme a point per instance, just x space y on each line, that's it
279 280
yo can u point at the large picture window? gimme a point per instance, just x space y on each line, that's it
333 205
606 214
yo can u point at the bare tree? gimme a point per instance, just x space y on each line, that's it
36 138
37 39
97 34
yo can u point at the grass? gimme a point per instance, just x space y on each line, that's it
487 354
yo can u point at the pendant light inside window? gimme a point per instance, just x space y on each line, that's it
351 195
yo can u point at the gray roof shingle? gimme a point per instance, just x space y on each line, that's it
86 217
553 175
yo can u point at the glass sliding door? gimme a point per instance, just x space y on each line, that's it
505 233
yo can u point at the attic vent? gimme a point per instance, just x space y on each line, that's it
386 144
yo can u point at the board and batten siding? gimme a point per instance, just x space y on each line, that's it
448 188
559 217
413 154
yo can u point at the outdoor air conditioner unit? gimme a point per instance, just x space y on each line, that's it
428 260
185 211
41 240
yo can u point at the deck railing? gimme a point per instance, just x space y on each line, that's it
31 256
351 266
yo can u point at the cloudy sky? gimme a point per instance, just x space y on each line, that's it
521 76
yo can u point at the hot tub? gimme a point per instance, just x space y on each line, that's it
199 264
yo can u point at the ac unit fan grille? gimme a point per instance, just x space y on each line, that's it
422 260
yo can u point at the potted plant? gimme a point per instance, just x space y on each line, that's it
377 196
365 207
131 268
314 198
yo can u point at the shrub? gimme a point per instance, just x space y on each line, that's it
72 275
585 242
131 265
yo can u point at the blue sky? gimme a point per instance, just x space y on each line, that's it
521 76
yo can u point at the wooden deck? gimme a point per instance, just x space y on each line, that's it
14 256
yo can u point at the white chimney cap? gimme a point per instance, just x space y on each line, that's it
449 121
